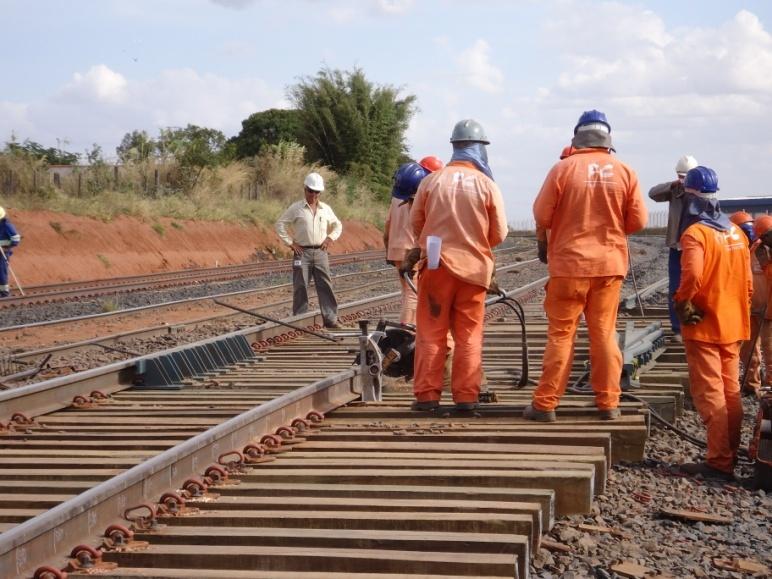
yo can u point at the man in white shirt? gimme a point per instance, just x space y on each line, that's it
314 227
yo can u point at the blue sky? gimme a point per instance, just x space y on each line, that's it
674 77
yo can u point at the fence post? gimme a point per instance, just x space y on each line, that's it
80 178
115 175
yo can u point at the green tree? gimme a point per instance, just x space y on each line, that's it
51 155
136 146
352 125
194 148
269 127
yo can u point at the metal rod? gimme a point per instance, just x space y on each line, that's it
632 274
275 321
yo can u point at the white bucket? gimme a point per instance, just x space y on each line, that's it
433 247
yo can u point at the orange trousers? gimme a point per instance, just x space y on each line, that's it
409 299
751 356
567 298
447 303
713 382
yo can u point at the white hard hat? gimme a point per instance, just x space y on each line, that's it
685 164
2 213
314 182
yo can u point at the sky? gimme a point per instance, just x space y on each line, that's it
674 77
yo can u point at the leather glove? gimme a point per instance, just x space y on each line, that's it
493 286
408 263
688 313
541 246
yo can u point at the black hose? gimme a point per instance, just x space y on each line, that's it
517 307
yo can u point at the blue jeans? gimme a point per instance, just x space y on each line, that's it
674 280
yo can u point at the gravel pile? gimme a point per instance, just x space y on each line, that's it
667 547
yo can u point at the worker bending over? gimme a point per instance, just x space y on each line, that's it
9 238
712 303
750 351
762 252
398 237
589 202
462 205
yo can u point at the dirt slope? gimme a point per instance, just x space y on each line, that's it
61 247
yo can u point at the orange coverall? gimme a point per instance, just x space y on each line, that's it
465 208
398 238
716 277
762 343
589 202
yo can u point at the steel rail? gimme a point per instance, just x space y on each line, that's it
165 329
49 395
630 301
174 280
46 538
185 301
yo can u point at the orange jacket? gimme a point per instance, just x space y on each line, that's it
716 277
398 232
589 202
464 207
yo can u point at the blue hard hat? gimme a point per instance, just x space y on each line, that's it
592 117
406 180
702 179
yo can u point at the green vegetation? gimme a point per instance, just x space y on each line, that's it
159 229
177 225
56 226
109 305
343 126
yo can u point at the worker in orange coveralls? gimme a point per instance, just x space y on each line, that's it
397 232
462 205
750 351
712 304
589 202
761 252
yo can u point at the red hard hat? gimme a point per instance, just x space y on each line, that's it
431 164
762 224
740 217
567 151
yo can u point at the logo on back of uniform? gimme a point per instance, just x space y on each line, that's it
600 172
733 238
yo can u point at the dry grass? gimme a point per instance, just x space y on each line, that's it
254 191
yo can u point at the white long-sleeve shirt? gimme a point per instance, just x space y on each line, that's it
306 228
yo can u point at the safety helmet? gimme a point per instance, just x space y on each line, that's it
431 163
469 130
567 151
762 224
685 164
2 213
593 120
740 217
702 179
406 180
314 182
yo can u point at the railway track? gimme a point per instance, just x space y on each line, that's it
258 493
127 284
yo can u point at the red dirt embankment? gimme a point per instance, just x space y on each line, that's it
57 247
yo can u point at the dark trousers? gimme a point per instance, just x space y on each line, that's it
314 262
4 287
674 280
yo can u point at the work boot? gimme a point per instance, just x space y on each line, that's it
537 415
425 406
609 414
678 338
5 294
705 470
466 406
332 325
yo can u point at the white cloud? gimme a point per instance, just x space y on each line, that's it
394 6
234 4
101 105
477 69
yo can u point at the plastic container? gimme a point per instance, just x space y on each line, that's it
433 248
